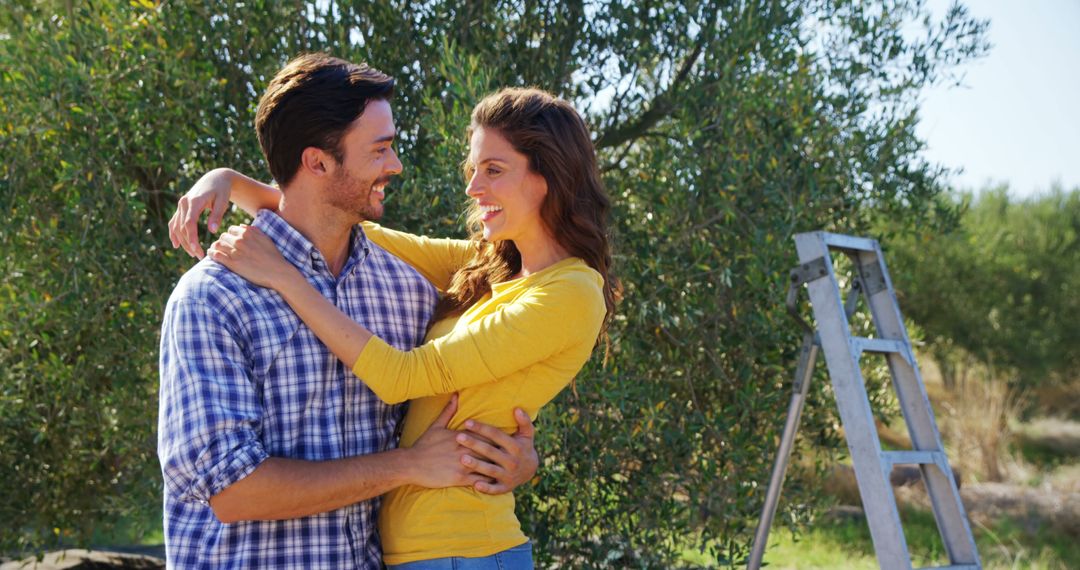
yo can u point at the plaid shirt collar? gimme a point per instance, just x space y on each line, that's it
302 253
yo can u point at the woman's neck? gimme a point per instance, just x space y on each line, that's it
539 253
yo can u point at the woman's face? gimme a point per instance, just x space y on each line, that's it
507 193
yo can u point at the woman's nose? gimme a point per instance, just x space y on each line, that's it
473 189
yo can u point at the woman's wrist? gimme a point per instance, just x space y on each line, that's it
227 176
292 284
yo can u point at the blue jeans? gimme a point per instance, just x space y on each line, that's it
516 558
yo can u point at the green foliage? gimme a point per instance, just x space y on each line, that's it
1000 288
722 128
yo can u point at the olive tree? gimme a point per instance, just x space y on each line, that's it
722 128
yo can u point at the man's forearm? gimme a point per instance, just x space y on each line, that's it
290 488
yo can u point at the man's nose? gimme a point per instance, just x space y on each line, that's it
394 167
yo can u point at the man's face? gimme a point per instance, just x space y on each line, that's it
368 162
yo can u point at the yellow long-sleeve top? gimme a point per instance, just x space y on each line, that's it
517 347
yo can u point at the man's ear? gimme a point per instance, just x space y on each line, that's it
317 161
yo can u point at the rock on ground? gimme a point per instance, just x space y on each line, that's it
78 559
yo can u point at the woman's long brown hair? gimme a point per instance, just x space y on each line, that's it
553 136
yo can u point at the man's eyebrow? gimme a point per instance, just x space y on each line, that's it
387 138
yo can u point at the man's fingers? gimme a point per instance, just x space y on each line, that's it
448 412
525 425
485 450
489 488
483 467
472 479
493 434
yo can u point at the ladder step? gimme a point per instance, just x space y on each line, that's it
913 457
840 241
882 345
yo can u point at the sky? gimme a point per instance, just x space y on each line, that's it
1016 117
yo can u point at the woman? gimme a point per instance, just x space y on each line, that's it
525 300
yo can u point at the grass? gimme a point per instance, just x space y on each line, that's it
847 544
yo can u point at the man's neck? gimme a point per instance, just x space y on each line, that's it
328 229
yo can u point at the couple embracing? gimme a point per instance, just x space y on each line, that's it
288 352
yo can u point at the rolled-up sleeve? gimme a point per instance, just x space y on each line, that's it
210 414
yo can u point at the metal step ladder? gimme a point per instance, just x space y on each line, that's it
842 355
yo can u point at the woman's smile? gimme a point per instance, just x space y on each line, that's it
490 211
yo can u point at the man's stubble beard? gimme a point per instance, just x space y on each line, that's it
353 196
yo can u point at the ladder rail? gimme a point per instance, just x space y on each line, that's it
952 520
879 503
803 373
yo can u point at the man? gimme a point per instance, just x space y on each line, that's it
273 453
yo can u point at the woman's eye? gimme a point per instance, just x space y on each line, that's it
493 171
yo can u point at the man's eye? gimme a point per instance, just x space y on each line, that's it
493 171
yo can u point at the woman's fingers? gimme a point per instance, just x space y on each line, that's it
189 225
181 215
230 239
221 250
190 229
172 228
217 213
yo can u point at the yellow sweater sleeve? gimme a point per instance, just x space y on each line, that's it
437 259
540 323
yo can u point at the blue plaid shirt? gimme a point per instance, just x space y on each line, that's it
243 379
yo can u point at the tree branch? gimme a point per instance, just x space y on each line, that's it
662 105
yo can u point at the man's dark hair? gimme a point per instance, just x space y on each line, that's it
312 101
